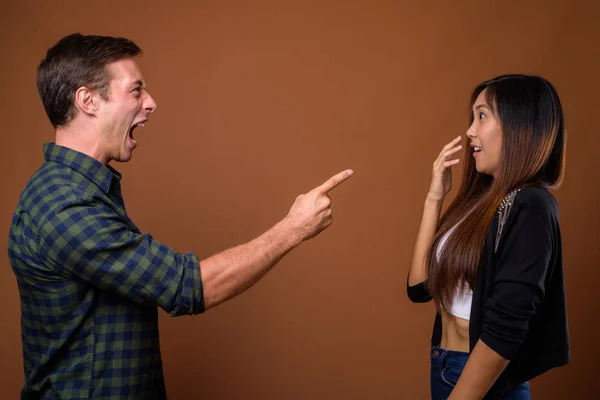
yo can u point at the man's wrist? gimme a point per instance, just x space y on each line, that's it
288 233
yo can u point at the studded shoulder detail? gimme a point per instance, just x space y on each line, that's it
503 213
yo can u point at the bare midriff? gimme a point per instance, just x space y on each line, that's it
455 333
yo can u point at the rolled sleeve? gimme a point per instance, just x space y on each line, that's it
418 293
92 242
519 285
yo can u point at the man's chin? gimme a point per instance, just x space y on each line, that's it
125 156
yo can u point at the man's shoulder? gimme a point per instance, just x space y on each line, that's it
49 188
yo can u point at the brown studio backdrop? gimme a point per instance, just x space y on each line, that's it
260 101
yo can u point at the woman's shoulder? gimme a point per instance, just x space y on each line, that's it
538 200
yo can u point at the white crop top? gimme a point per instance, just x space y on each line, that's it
461 304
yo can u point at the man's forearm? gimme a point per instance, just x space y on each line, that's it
229 273
232 271
483 367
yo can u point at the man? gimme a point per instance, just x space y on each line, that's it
89 280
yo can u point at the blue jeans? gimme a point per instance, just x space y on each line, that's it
446 367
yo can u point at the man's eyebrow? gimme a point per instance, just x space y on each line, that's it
137 82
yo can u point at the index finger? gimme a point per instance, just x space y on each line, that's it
453 142
334 181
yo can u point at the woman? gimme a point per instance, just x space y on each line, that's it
493 263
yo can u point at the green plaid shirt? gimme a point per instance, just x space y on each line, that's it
90 283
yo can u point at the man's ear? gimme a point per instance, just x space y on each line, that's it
86 100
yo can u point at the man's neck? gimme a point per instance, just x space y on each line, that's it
82 140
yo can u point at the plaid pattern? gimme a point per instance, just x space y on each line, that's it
90 283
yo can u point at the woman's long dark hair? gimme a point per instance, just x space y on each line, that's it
532 154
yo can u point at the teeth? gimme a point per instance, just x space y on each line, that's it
142 125
477 148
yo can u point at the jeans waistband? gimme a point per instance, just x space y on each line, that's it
441 358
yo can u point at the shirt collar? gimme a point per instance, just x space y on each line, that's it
101 175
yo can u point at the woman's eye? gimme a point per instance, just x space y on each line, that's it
481 115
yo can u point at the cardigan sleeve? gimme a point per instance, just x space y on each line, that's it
418 293
523 261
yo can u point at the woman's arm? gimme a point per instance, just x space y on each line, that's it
481 371
441 183
429 222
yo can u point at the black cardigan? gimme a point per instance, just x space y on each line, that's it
519 305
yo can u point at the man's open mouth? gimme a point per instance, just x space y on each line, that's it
141 124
